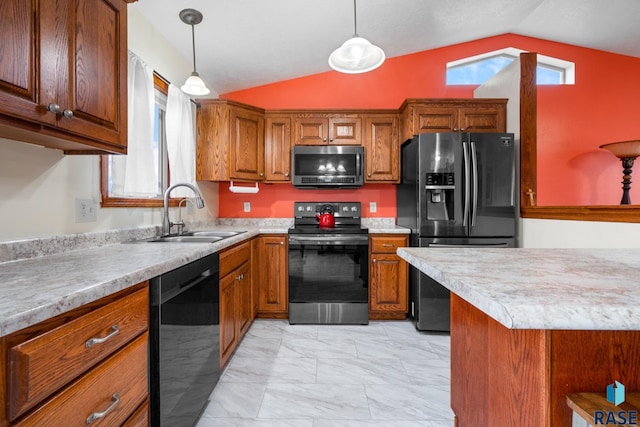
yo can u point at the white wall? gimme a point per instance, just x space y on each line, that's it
545 233
38 186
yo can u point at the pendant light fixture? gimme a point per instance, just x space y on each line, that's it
194 85
356 55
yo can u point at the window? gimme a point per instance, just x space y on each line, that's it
160 160
478 69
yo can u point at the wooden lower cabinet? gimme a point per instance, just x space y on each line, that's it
388 278
271 255
521 377
236 310
89 361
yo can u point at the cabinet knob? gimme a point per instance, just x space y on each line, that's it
54 108
461 129
455 129
261 173
286 174
330 139
324 139
68 114
369 174
281 243
374 260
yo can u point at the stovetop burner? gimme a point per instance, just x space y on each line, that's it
347 218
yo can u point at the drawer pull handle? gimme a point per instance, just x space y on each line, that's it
97 415
115 330
389 245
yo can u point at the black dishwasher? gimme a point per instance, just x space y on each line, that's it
184 348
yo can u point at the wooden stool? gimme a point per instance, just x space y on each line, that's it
585 405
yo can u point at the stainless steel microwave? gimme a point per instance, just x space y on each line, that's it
327 166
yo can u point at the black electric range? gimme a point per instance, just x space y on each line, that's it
328 267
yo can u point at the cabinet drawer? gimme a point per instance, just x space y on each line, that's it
387 244
231 259
140 418
44 364
116 388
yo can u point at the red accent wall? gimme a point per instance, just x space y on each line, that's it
276 200
573 120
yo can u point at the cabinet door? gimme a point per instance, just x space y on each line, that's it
277 149
311 130
28 27
244 310
434 119
247 145
382 150
95 90
388 283
273 286
345 130
482 119
228 330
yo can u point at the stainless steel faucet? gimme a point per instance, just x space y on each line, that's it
166 224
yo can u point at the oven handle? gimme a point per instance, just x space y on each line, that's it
330 240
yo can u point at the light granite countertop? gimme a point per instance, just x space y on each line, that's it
578 289
41 278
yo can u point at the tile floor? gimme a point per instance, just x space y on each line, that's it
382 374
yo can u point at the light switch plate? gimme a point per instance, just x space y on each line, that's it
247 206
373 207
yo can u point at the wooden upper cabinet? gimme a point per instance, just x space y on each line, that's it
63 74
327 129
247 145
229 141
453 115
277 148
381 148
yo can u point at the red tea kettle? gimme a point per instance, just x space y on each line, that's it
325 217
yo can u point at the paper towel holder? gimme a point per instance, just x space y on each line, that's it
244 190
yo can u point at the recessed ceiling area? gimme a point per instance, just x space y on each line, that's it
247 43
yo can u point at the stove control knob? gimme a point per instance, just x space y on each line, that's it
300 208
354 209
345 209
309 209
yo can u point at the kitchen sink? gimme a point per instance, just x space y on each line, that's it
204 236
186 238
213 233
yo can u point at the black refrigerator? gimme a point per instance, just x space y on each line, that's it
456 190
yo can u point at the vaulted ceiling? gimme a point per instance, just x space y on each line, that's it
247 43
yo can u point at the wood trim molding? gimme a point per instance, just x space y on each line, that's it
614 213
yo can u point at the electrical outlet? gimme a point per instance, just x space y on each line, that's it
373 207
86 211
247 206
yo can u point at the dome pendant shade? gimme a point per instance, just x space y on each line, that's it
194 86
356 55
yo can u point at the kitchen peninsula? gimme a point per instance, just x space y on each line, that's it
529 326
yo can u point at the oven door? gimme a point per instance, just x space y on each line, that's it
328 279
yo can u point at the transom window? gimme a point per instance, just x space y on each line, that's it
478 69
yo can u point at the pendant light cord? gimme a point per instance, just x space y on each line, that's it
355 20
193 43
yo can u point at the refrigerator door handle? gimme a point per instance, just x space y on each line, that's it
467 184
474 163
